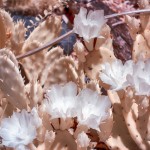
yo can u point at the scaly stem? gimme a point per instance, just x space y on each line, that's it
53 42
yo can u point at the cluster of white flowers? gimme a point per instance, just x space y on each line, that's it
89 108
20 129
119 76
88 25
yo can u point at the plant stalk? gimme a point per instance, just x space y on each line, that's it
55 41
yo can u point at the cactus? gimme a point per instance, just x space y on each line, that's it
136 122
35 92
101 53
9 54
127 125
50 58
57 74
18 37
7 27
48 30
139 30
11 82
14 33
94 60
120 133
134 26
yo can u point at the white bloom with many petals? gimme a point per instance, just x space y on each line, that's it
115 74
89 25
94 109
60 101
83 140
140 79
20 129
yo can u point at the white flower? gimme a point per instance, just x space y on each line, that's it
115 74
140 79
20 129
89 25
60 101
83 140
94 109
